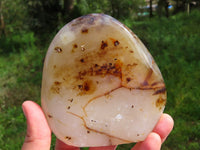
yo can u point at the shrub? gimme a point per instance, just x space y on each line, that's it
17 42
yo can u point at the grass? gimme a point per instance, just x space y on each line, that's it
175 46
20 80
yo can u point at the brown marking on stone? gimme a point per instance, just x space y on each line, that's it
93 99
80 86
93 130
68 137
50 116
75 46
132 106
71 100
158 85
148 76
84 30
68 107
57 83
82 60
130 67
55 88
105 133
92 120
155 83
88 131
96 65
160 91
145 83
107 95
75 115
104 44
58 49
60 122
72 51
87 87
128 79
102 70
131 51
116 43
160 102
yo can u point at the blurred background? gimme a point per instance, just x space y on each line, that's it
169 29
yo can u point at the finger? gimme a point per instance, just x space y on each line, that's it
152 142
164 126
38 134
104 148
62 146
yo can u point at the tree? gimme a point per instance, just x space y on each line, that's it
13 16
2 23
48 16
125 9
43 15
163 5
185 5
150 9
68 6
166 5
120 9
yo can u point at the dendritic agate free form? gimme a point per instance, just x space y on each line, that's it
100 84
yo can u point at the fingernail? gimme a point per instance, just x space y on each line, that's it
169 118
24 110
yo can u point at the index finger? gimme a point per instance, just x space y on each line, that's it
164 126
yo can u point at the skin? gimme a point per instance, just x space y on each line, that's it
38 134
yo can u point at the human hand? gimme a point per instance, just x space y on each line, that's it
38 136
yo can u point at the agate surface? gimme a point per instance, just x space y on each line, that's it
100 84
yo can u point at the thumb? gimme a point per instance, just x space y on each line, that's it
38 134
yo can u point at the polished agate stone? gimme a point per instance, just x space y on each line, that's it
100 84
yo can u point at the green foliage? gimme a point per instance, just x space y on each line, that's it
17 42
43 15
15 15
12 128
116 8
21 77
